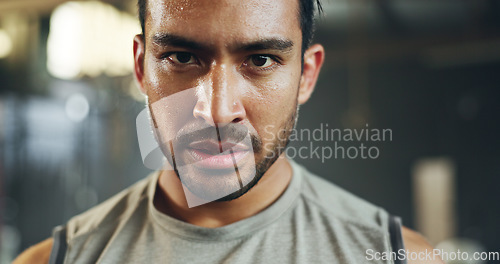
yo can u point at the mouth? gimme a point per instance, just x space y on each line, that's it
216 155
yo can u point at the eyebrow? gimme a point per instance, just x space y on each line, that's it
267 44
279 44
165 39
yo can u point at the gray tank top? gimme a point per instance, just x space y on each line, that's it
314 221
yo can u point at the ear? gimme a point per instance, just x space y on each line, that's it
313 60
139 49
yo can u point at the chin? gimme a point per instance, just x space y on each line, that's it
216 182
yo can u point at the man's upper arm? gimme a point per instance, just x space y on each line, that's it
37 254
414 242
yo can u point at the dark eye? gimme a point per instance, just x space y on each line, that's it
182 58
261 61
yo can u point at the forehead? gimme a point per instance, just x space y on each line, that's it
224 21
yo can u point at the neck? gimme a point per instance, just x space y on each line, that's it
170 199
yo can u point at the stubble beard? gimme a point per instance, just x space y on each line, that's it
262 165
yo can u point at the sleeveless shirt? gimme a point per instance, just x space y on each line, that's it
313 221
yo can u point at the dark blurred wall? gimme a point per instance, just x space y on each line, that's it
433 79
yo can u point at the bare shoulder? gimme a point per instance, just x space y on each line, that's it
37 254
414 242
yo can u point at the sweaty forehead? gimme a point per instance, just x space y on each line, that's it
215 21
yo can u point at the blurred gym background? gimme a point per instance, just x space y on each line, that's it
428 70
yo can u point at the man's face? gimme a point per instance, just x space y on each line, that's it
231 65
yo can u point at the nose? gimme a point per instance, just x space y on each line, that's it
223 103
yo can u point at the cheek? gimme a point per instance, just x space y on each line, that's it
152 80
270 106
160 83
171 99
277 90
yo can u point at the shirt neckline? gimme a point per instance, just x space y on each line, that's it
235 230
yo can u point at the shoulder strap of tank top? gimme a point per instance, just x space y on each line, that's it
59 246
396 237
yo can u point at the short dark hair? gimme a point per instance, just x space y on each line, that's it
306 19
